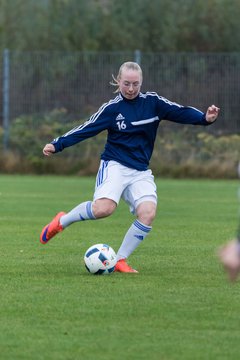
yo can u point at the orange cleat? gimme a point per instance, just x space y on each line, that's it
122 266
53 228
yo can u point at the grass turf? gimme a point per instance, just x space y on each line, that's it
179 306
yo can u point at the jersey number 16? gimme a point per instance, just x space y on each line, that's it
121 125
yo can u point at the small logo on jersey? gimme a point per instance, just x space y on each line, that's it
120 117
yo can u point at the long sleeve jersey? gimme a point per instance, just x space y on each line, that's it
131 126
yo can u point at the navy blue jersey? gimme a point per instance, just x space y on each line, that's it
132 127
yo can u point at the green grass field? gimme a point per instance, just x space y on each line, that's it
179 306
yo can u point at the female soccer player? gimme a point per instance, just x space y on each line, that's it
131 119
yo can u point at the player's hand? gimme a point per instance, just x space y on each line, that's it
212 113
48 149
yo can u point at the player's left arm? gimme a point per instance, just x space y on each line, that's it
190 115
175 112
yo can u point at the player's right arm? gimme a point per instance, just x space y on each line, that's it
48 149
98 122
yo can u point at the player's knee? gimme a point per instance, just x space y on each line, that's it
147 218
146 212
103 208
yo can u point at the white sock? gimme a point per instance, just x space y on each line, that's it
80 213
134 236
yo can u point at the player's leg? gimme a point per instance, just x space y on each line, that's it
135 235
85 211
142 198
89 210
106 197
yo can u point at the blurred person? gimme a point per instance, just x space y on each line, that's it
229 256
131 120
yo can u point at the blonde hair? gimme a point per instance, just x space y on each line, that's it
129 65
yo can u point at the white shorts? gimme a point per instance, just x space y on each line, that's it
115 181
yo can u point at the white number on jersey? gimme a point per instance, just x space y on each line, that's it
121 125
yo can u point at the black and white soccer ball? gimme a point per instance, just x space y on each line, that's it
100 259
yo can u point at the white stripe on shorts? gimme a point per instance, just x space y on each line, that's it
101 171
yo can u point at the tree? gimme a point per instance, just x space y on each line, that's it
113 25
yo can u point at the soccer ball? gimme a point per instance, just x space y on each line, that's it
100 259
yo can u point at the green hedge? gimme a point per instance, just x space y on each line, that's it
194 152
179 151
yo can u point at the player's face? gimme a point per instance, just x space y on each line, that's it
130 83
